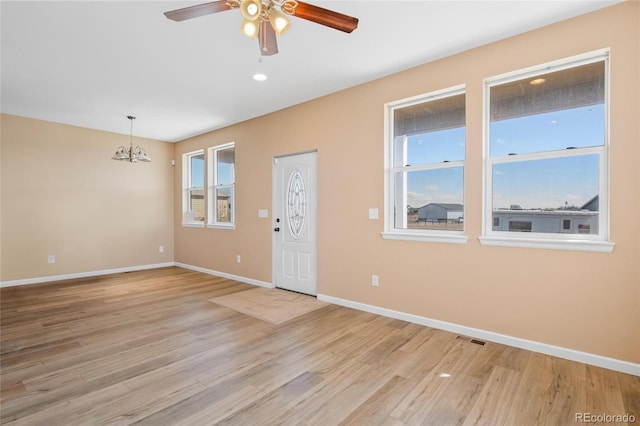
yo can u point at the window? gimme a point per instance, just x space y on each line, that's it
193 188
424 167
519 226
221 184
546 162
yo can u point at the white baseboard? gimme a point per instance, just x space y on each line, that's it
52 278
40 280
225 275
570 354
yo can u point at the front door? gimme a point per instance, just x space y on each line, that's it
294 222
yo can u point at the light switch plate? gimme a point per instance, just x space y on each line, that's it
373 213
263 213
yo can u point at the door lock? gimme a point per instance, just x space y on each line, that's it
276 229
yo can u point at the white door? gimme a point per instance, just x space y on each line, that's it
294 222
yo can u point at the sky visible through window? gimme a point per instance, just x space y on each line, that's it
547 183
197 171
439 185
225 172
537 184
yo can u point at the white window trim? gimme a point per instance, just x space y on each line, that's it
577 242
221 225
390 231
211 187
186 184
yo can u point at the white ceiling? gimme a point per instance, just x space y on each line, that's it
90 64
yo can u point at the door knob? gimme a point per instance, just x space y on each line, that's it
276 229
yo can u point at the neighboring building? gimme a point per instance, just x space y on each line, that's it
440 212
224 208
197 212
547 221
196 202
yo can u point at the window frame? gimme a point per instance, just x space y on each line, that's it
187 187
426 235
213 186
561 240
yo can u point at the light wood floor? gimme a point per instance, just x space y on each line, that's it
148 348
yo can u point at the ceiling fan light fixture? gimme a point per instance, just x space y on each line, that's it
250 28
268 22
251 9
279 21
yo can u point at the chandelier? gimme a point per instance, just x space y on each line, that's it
131 154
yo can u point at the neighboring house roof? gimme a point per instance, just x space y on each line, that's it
592 204
446 206
525 213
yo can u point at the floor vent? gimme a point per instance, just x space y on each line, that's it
469 339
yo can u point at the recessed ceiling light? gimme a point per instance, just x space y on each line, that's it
259 77
537 81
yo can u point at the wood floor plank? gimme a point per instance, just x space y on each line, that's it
439 386
266 409
149 348
602 392
76 410
630 389
493 403
377 408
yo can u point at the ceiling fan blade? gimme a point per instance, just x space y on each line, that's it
198 10
267 39
325 17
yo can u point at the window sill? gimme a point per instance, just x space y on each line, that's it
193 225
429 238
221 226
576 245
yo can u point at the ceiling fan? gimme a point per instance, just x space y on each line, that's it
263 21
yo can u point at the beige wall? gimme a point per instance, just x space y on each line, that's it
63 195
579 300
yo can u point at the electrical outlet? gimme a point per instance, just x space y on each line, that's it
374 280
161 249
238 259
51 258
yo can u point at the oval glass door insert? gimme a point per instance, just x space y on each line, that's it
296 203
